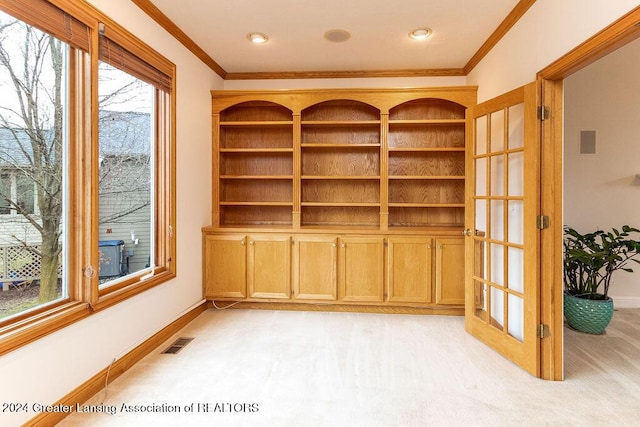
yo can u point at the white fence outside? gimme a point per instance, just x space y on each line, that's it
18 264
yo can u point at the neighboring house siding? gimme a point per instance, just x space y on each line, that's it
15 229
120 229
124 144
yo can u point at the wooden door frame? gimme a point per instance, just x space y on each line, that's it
616 35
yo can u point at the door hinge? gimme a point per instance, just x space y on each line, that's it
544 112
542 222
543 331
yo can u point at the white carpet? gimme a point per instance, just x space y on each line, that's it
278 368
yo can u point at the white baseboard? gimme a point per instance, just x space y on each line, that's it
626 302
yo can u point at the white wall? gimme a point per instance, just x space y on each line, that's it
601 190
51 367
548 30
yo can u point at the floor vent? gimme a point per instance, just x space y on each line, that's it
178 345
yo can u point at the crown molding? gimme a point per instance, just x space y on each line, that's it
514 16
166 23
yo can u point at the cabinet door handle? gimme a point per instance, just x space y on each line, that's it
334 245
343 245
251 242
242 242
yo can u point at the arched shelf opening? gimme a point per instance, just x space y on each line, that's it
254 166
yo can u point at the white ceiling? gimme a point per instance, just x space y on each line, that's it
379 32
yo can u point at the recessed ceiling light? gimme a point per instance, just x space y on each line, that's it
337 36
420 33
257 38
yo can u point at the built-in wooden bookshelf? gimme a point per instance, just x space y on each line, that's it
348 197
377 159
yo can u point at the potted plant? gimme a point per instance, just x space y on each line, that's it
589 263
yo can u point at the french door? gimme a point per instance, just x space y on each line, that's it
502 247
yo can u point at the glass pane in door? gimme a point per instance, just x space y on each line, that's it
515 219
497 175
497 131
515 179
497 308
481 216
515 278
481 135
516 126
516 325
497 264
481 176
480 299
497 220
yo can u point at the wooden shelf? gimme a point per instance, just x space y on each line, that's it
426 205
426 149
434 177
256 203
256 177
256 150
340 122
263 123
340 177
337 204
340 146
455 122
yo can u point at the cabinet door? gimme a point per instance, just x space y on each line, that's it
315 270
269 270
410 273
225 262
362 268
450 271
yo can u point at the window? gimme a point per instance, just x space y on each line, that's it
5 195
33 141
135 154
25 194
104 159
125 221
17 194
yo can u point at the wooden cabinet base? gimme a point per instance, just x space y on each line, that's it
377 272
342 308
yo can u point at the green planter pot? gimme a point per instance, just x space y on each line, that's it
588 315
